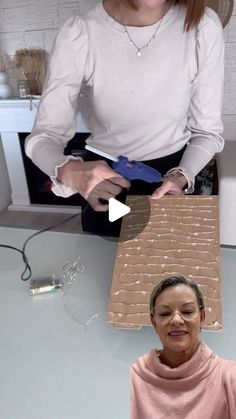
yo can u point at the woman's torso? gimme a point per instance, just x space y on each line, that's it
138 104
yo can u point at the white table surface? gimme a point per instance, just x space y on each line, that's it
50 367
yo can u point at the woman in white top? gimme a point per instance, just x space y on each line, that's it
147 76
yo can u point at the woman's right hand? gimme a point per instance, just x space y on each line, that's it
93 180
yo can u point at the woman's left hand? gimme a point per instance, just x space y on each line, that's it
172 185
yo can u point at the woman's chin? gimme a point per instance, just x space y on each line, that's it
178 343
150 4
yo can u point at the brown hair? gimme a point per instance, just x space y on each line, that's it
194 10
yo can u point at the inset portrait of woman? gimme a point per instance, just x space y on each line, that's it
185 379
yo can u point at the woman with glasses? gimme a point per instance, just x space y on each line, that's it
184 379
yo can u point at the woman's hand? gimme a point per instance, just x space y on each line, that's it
93 180
172 185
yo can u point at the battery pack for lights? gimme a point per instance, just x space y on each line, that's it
43 285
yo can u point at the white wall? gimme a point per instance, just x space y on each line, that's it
229 110
34 23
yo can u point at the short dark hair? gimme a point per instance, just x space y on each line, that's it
171 282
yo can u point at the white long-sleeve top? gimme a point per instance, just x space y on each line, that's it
143 107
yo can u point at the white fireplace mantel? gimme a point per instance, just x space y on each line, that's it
18 115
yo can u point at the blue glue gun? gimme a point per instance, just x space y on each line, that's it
133 170
130 169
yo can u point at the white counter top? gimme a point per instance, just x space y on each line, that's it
50 367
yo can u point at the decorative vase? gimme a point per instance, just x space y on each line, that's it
5 88
23 89
33 82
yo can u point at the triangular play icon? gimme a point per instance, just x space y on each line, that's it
116 210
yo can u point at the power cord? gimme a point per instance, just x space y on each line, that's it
27 273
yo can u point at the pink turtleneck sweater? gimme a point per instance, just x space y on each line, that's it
204 387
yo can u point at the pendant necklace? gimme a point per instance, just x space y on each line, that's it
139 50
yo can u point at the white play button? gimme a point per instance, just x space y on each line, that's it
116 210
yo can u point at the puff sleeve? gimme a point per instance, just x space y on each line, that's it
204 116
55 122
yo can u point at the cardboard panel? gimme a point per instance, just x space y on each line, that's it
181 237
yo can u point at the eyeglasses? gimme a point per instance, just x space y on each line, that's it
186 314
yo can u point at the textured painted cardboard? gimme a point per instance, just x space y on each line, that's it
181 237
